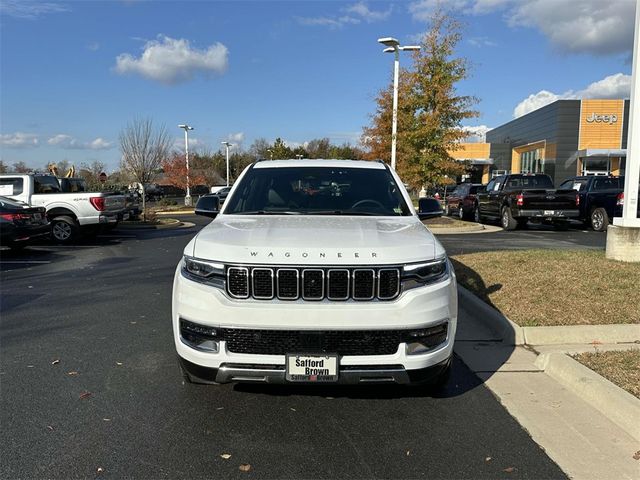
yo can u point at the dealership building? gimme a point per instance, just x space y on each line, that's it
563 139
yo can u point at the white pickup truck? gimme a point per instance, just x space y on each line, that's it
70 213
315 271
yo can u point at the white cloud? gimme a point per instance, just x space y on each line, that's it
100 144
62 140
19 140
361 9
30 9
576 26
477 133
236 137
194 143
481 42
171 61
352 15
613 86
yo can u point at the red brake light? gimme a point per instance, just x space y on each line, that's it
620 199
97 202
15 216
520 199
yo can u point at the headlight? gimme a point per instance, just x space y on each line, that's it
421 274
203 271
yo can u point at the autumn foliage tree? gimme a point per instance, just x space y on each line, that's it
430 110
175 172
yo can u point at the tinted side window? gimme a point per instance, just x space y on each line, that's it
606 183
11 186
46 184
473 190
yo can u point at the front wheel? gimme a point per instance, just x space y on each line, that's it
506 219
447 212
64 229
599 219
476 215
461 214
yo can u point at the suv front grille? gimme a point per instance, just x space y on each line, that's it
281 342
291 283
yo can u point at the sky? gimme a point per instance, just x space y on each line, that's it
74 74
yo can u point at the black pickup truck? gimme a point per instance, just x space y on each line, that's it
517 198
601 199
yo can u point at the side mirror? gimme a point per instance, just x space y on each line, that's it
208 206
429 208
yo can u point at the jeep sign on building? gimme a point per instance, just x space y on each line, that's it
562 139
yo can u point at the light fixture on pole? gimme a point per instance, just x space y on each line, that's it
270 153
299 156
227 145
186 128
393 45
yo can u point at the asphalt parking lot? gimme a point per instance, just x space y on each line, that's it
90 386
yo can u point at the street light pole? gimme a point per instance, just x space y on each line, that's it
393 45
227 145
186 128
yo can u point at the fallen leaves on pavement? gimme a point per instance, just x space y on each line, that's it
225 456
509 469
85 395
72 373
245 467
56 361
636 456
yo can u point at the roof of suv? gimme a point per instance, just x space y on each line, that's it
320 163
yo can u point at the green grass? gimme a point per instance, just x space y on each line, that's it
554 287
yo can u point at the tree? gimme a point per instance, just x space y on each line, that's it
3 168
175 172
430 111
144 148
20 167
280 150
259 148
91 174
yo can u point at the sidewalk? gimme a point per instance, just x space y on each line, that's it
577 436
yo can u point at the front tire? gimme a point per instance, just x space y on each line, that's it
461 214
476 214
599 219
64 229
447 212
507 221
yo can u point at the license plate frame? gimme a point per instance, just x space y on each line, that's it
330 360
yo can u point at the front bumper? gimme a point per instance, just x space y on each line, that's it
414 309
275 374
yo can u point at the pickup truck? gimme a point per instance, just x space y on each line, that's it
70 214
517 198
315 271
601 199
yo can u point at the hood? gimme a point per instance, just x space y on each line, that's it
316 240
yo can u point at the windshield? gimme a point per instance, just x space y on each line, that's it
318 191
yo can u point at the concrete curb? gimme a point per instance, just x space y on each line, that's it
619 406
509 332
582 334
176 213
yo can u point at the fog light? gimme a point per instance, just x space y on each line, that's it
199 337
426 339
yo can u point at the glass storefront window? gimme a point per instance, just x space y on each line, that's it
596 166
532 161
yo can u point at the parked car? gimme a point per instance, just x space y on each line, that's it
462 200
517 198
21 224
600 198
292 284
70 214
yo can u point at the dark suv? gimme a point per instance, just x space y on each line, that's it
462 200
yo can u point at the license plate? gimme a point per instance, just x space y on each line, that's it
549 212
312 368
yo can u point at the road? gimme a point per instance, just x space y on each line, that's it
90 388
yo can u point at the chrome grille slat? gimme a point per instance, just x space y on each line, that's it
314 283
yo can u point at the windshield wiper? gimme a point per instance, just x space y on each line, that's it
267 212
342 212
